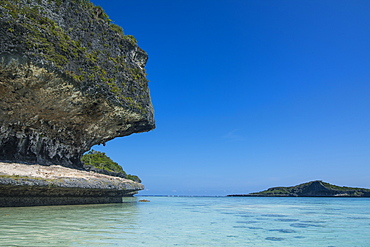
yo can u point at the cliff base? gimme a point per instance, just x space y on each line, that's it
37 185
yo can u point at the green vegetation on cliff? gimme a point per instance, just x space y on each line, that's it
101 161
63 43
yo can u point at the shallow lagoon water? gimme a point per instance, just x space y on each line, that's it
193 221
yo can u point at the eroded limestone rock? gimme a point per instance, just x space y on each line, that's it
69 79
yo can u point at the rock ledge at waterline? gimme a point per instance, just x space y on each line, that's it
36 185
69 79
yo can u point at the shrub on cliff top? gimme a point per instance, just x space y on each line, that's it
134 178
101 161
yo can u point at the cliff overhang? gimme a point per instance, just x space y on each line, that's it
69 79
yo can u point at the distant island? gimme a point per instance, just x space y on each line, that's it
311 189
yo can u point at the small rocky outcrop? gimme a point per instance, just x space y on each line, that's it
312 189
69 79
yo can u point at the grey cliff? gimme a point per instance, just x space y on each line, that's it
69 79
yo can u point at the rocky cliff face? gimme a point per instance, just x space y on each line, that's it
69 79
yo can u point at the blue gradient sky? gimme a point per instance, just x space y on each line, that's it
249 94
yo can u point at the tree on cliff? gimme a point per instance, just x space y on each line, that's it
101 161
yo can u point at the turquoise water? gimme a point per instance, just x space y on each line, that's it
193 221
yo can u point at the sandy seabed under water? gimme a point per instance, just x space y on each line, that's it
193 221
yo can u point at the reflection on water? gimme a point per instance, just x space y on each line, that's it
192 221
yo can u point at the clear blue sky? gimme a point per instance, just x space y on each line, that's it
249 94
